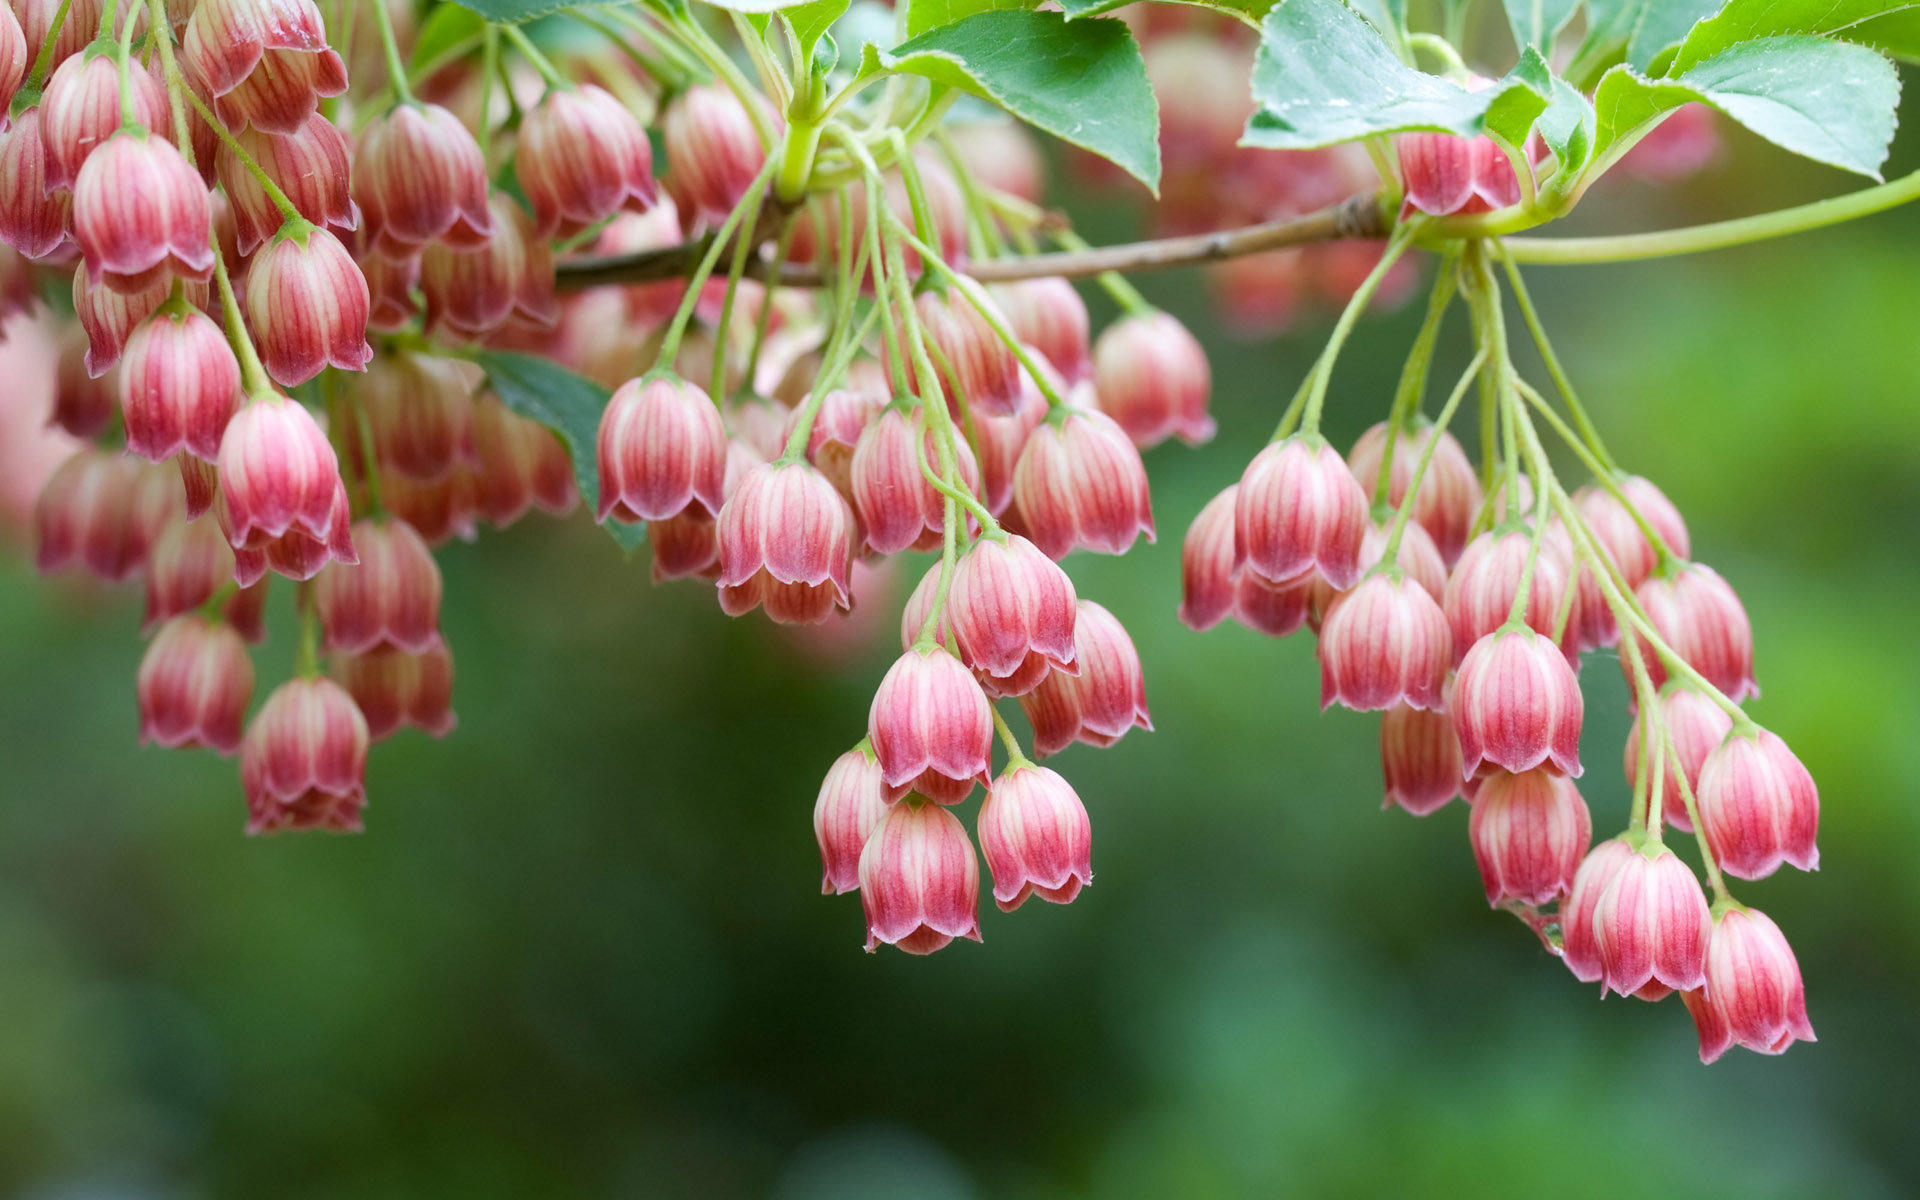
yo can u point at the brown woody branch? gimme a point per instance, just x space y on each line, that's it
1357 217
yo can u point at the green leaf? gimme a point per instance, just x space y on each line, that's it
1829 101
566 403
1567 128
515 12
1325 75
1893 27
1249 11
445 28
1661 24
1085 83
1609 25
923 15
811 20
1535 22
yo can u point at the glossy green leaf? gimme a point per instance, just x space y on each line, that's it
566 403
1085 83
1661 25
811 20
1568 128
1535 22
1829 101
1893 27
444 29
1249 11
515 12
923 15
1325 75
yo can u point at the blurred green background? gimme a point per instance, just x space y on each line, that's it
580 949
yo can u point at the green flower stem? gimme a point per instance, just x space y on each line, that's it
43 61
252 372
1391 554
1608 478
773 81
782 246
396 66
307 657
673 73
983 234
1554 370
1441 49
1015 756
1412 389
1114 283
489 68
541 63
923 224
123 58
288 212
1323 369
670 344
1718 885
742 248
176 82
1717 235
703 47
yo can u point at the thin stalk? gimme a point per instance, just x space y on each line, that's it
1412 388
1555 371
532 54
670 344
396 66
1015 756
43 61
1391 553
1323 369
288 212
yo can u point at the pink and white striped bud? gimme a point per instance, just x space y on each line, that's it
1049 316
194 684
419 177
1298 510
836 430
1651 927
1416 556
1080 484
1624 543
1695 728
975 365
689 543
662 448
998 443
786 542
200 481
472 290
1481 590
1696 612
1152 377
307 304
310 165
1104 697
919 880
899 508
82 404
1206 564
1445 174
420 411
266 63
581 157
395 689
1012 613
520 464
1385 643
391 597
279 477
852 803
1754 996
1759 806
931 727
438 509
1516 705
179 384
390 287
110 317
303 761
80 26
1529 833
188 564
80 110
85 514
1036 836
1578 947
713 152
33 216
1449 497
13 57
141 214
1419 758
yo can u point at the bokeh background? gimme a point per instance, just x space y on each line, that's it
580 949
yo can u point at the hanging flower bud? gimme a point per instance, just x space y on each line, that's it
1625 545
1152 377
475 289
1104 695
266 63
420 410
80 110
1529 834
1080 483
394 689
520 463
837 426
1445 174
975 365
1385 643
419 177
188 563
998 443
931 727
438 509
1206 564
33 216
662 447
919 880
1517 705
1695 728
1420 759
1697 613
307 304
1449 498
279 476
1036 836
109 317
1048 315
179 384
200 480
786 540
85 514
13 58
1416 555
1753 996
303 761
80 26
82 405
1759 806
852 803
311 166
1484 582
1651 926
390 286
1578 947
899 508
713 151
1012 613
1298 510
582 157
194 684
391 597
141 214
